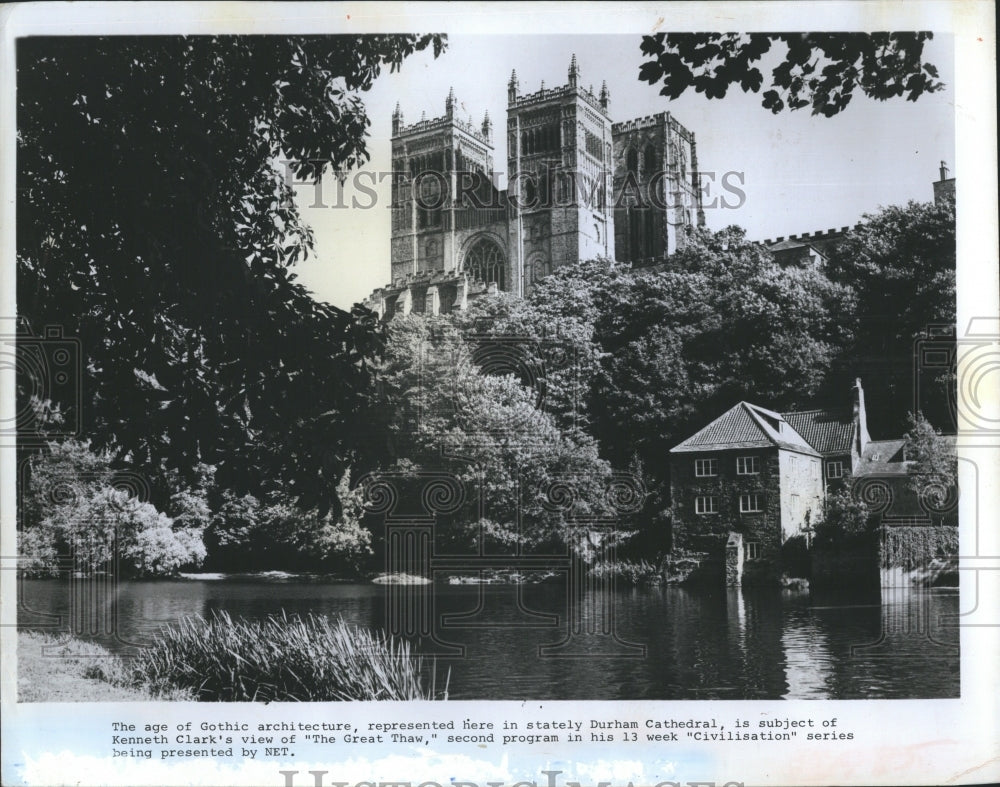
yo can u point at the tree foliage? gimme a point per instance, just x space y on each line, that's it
72 509
934 469
846 521
901 263
155 224
818 70
447 414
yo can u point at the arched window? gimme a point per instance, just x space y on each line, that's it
632 161
485 262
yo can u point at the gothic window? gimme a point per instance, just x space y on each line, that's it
632 161
530 193
485 262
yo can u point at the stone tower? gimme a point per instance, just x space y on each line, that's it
559 160
656 186
432 162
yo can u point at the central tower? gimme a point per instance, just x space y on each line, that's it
559 160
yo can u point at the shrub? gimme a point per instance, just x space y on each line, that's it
845 523
280 658
71 508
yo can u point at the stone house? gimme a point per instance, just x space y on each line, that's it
748 472
756 478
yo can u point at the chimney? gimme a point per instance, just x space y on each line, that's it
860 417
943 170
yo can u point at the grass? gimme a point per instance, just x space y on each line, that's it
58 668
281 658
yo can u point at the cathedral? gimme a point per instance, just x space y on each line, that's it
579 186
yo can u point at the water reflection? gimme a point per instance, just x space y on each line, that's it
698 644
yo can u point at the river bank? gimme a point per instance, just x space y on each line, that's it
59 668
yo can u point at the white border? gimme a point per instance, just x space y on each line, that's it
918 742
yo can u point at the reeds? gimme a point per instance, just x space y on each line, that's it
282 659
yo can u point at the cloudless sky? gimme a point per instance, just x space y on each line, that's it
800 173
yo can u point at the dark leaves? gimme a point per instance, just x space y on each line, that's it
153 225
819 70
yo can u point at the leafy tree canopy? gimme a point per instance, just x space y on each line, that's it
155 224
901 263
819 70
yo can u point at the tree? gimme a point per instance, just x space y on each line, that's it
933 474
819 70
901 263
155 224
846 521
445 414
70 507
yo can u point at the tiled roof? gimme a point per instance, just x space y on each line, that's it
745 426
789 244
882 457
829 431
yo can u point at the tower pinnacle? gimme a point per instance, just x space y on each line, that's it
513 87
487 126
605 95
397 119
574 72
449 104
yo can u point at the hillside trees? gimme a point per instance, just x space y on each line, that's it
901 263
516 465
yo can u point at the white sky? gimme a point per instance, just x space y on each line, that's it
801 173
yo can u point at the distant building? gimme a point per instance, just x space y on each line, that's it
579 187
944 188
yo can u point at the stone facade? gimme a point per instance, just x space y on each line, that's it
766 507
763 476
454 234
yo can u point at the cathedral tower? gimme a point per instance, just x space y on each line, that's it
657 193
434 163
559 160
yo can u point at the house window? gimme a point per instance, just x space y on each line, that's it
751 550
751 504
706 505
747 465
706 467
834 469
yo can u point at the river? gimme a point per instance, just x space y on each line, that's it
504 642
